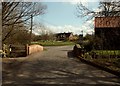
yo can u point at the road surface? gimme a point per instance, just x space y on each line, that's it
54 66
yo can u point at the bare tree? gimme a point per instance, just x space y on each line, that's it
19 12
16 13
105 9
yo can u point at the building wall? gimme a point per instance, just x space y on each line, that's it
108 29
107 22
110 37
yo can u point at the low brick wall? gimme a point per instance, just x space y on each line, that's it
34 49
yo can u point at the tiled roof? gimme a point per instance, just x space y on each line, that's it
103 22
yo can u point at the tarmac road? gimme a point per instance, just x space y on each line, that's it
54 66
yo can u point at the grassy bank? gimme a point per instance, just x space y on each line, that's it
109 59
54 43
107 52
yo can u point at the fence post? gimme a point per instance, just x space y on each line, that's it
27 49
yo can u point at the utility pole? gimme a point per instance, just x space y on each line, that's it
31 28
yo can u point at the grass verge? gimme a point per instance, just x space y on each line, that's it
54 43
107 52
108 63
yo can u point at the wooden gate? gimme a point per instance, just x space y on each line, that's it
18 50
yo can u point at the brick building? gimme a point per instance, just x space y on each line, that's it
108 28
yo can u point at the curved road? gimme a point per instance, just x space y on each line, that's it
55 66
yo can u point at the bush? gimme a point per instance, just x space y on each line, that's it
88 46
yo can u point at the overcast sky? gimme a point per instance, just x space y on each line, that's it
61 17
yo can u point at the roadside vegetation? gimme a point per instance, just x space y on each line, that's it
106 52
98 49
106 61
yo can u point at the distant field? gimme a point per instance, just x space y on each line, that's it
53 43
107 52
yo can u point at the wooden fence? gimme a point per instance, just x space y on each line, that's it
18 50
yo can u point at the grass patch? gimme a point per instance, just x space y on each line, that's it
53 43
107 62
107 52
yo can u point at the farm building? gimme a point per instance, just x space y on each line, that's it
108 28
64 36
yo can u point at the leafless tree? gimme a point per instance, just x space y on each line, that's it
105 9
15 14
18 36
